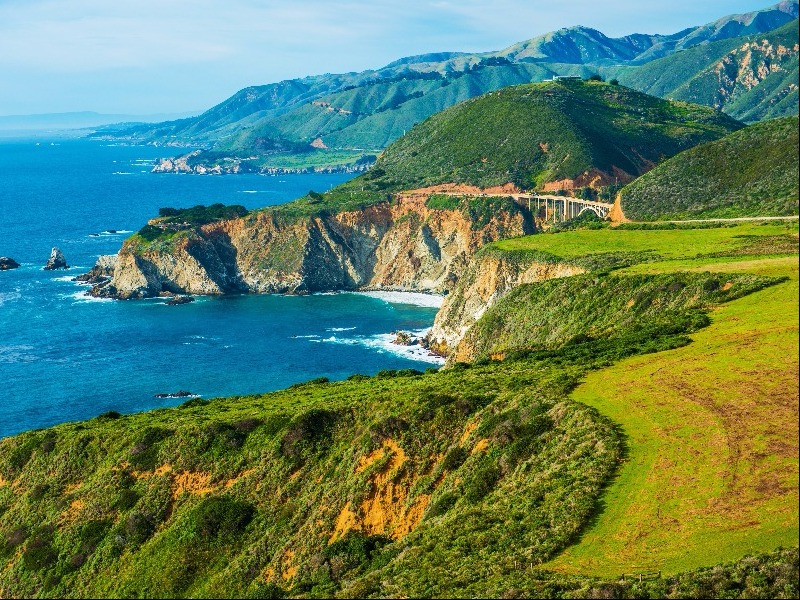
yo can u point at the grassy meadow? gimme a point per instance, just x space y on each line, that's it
670 446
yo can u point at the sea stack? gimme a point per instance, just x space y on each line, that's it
56 261
6 263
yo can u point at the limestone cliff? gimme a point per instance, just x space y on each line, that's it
399 245
484 283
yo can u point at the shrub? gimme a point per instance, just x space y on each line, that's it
126 499
39 553
194 402
309 431
454 459
482 482
352 551
445 502
108 416
139 526
221 517
144 453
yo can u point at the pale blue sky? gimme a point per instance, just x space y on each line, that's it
143 56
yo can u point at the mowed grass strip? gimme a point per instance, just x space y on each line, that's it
668 244
712 434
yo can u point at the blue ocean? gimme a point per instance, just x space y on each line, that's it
66 357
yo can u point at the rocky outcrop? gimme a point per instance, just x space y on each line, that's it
402 245
101 272
196 163
489 278
6 263
56 261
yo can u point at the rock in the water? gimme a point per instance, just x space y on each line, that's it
6 263
180 300
403 338
56 261
101 272
180 394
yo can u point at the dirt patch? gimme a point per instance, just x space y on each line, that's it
460 188
346 521
370 459
289 570
196 484
387 510
72 488
71 514
228 484
467 432
592 178
480 446
162 470
4 481
615 214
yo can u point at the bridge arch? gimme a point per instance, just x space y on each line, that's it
600 211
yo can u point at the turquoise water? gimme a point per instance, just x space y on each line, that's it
66 357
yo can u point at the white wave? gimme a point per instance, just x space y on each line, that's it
382 342
64 278
82 297
9 296
122 173
305 336
248 191
340 328
16 354
413 298
116 232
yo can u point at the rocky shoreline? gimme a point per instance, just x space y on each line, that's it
7 263
230 165
401 246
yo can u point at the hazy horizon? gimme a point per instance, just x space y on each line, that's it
145 58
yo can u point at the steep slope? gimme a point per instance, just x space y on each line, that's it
752 172
554 135
354 115
372 231
451 483
751 78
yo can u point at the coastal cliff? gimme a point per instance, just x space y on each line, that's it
487 280
399 245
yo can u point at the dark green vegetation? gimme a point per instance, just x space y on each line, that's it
752 172
535 134
357 114
404 484
177 219
751 78
632 306
569 130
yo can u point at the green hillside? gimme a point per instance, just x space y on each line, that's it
462 482
535 134
751 78
357 114
752 172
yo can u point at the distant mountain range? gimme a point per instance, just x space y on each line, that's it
745 65
74 120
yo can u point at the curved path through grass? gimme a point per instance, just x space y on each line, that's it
712 433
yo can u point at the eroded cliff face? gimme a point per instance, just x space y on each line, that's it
488 279
403 245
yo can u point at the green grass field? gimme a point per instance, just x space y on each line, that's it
654 443
678 244
712 433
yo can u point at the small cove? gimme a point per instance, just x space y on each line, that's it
65 357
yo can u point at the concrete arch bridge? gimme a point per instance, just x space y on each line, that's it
562 208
